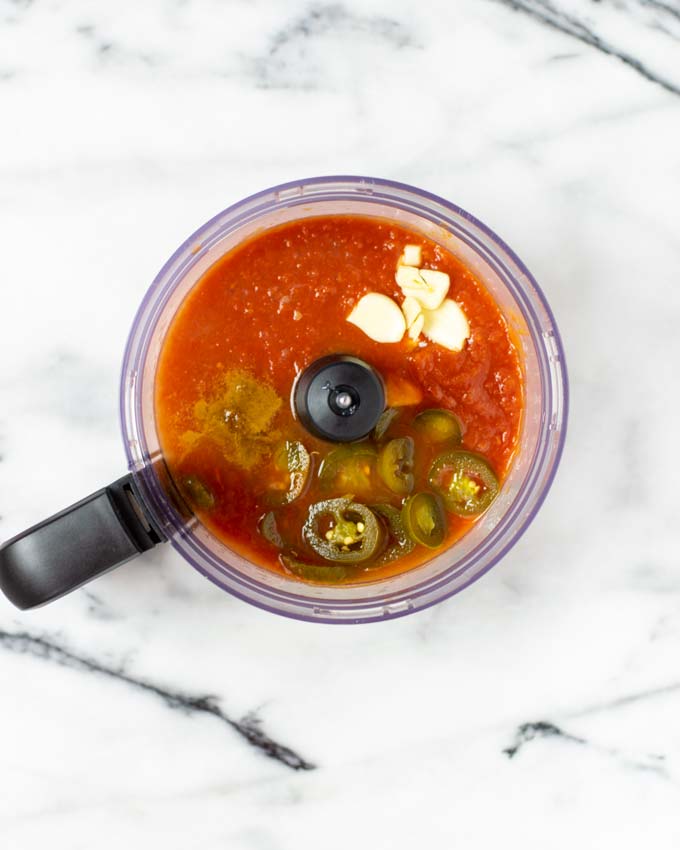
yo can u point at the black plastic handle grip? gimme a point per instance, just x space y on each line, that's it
76 545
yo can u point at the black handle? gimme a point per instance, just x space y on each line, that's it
76 545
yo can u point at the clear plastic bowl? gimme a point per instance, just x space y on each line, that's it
543 425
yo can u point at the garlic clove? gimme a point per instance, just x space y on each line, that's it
428 286
412 255
416 328
379 317
447 326
411 308
408 276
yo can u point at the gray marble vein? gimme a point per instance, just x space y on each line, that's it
535 730
249 727
289 61
627 699
538 729
579 28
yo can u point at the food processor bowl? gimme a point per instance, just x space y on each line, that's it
532 328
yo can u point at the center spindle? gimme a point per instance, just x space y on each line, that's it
339 398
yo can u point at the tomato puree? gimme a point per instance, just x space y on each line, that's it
269 308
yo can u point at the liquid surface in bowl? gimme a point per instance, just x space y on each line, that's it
263 484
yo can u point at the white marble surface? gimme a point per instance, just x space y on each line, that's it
125 125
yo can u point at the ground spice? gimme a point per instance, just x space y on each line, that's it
237 414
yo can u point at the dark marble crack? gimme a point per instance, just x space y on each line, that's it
547 14
538 729
647 762
249 727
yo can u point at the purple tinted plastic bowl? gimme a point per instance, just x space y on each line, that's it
543 425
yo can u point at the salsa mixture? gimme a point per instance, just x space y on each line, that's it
338 512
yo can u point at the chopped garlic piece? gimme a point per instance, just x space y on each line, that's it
416 328
379 318
447 326
427 286
412 256
408 276
411 310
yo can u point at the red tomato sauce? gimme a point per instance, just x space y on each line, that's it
278 302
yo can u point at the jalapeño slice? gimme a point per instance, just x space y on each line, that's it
399 543
439 426
424 520
270 531
349 469
465 480
197 492
292 459
382 426
343 531
395 464
314 572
